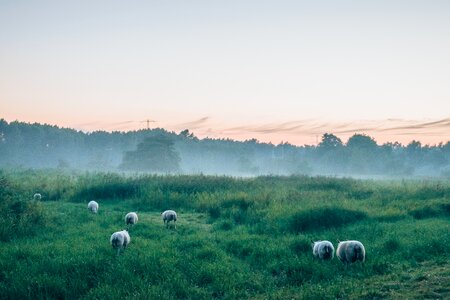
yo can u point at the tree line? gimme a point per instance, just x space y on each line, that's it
158 150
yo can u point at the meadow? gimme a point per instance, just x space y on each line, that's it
236 238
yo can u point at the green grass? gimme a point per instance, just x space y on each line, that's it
235 238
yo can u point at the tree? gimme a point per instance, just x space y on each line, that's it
156 154
414 150
363 142
331 155
363 154
187 134
330 141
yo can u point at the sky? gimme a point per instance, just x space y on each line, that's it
271 70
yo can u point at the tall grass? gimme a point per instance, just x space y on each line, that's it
235 239
18 217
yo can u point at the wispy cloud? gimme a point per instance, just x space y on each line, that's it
299 131
368 126
200 123
414 125
311 129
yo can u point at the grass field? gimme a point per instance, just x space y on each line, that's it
235 238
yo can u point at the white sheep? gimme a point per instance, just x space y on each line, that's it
93 206
37 196
351 251
131 218
120 240
169 215
323 250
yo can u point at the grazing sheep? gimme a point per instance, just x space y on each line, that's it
323 250
120 240
93 206
131 218
37 196
169 215
351 251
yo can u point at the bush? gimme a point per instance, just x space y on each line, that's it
106 186
323 218
430 211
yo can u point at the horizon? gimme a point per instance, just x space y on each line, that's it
287 71
343 133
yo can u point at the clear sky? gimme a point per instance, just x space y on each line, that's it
273 70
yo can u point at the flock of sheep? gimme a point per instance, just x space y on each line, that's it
120 239
347 251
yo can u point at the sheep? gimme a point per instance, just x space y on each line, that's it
120 240
169 215
37 197
131 218
93 206
351 251
323 250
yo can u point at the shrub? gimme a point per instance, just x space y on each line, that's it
431 211
107 190
323 218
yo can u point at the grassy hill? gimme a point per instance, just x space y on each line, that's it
235 238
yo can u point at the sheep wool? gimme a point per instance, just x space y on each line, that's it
120 240
323 250
93 206
169 215
351 251
131 218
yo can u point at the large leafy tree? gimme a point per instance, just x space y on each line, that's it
363 153
154 154
330 141
331 154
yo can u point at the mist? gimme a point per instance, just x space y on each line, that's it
38 146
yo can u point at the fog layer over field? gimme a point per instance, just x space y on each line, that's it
159 151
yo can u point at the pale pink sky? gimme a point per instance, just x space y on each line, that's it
273 70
